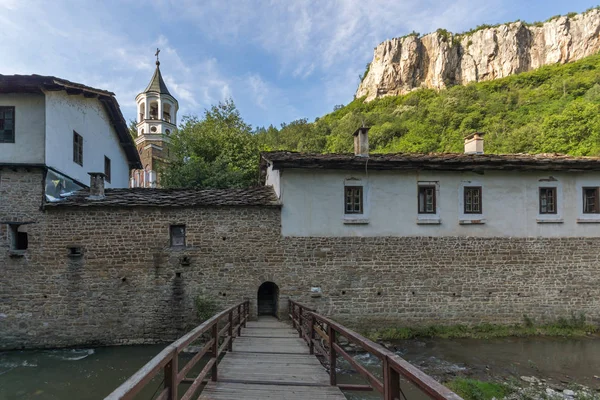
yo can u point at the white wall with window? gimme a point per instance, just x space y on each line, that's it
588 198
490 204
69 115
22 128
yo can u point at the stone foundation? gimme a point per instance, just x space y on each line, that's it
130 286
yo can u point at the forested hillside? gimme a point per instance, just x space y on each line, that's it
552 109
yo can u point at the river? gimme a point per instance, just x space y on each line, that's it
92 373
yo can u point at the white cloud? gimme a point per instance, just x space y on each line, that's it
259 90
316 48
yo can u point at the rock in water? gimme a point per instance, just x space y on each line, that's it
441 59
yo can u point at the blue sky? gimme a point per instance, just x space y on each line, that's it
278 60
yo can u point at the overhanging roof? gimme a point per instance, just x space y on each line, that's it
40 84
432 161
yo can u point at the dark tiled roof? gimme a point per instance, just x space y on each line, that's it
39 84
254 196
157 84
432 161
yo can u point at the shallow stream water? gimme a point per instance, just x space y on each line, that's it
88 374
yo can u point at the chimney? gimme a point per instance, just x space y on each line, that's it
474 143
96 185
361 142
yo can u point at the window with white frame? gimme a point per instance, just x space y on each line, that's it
428 202
548 200
427 199
472 199
591 200
353 200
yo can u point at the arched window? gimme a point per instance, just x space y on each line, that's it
154 110
142 112
166 112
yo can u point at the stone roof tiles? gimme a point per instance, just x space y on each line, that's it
431 161
254 196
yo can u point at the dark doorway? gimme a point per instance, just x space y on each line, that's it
268 296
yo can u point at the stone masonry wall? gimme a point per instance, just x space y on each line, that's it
131 287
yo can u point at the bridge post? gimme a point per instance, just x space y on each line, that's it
230 331
311 345
239 321
391 381
215 349
300 322
332 357
170 372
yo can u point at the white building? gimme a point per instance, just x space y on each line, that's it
67 128
471 194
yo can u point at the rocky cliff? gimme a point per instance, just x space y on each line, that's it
441 59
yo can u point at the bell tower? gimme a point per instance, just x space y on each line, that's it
156 122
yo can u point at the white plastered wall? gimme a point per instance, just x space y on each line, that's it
313 204
65 114
28 147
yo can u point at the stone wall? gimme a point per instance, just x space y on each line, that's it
130 286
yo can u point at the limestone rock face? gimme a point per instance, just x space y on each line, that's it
438 60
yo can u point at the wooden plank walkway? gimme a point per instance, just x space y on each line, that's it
270 361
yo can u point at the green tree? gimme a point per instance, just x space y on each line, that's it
132 128
216 151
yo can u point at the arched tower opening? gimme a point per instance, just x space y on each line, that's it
268 299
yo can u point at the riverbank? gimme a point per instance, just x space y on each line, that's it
528 387
563 327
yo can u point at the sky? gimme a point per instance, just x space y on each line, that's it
278 60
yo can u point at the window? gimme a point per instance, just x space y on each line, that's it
353 203
590 200
177 235
77 148
74 251
473 200
427 199
107 169
547 200
19 240
7 124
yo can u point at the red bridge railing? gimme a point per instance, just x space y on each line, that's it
322 336
222 328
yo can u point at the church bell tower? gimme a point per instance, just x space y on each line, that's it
156 122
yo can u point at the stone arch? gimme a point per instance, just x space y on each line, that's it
267 299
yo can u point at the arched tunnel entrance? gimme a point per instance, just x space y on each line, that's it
268 299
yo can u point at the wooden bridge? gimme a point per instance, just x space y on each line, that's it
271 359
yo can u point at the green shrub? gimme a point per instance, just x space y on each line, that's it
471 389
205 308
